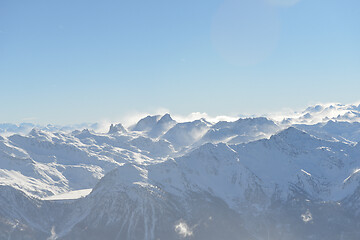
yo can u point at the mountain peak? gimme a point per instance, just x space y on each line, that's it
147 123
162 126
37 132
204 121
292 134
255 120
316 108
117 128
166 118
123 176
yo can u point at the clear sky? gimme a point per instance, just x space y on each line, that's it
70 61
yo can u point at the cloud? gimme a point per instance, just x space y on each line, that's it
198 115
320 112
183 229
316 113
307 216
132 118
102 126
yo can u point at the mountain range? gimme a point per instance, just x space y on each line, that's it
287 177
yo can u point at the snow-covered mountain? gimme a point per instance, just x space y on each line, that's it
320 113
185 134
254 178
240 131
334 130
24 128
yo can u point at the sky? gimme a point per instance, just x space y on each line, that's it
72 61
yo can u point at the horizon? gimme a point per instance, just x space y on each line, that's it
130 120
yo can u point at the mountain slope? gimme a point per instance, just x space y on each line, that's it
240 131
219 183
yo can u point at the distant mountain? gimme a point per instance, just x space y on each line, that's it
240 131
162 126
334 130
24 128
154 126
322 113
185 134
117 128
9 128
146 124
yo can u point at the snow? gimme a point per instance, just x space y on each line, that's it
69 195
246 163
146 124
185 134
319 113
59 162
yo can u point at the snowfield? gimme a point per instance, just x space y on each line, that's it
285 177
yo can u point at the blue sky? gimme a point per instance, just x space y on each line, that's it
69 61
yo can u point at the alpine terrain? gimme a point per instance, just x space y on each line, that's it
273 177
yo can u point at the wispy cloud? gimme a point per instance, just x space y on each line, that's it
133 117
198 115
